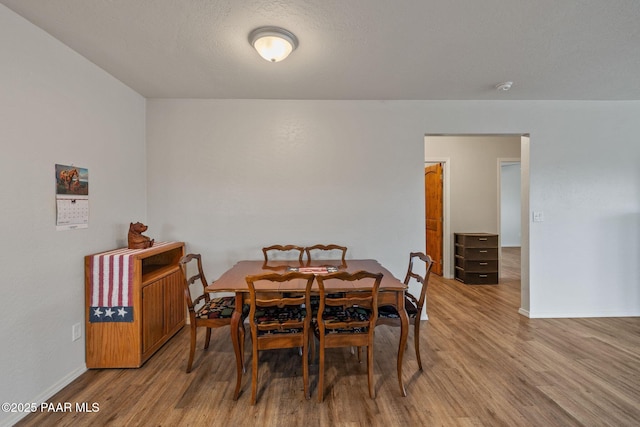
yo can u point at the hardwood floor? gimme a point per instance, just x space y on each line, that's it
484 365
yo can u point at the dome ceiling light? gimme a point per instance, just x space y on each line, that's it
272 43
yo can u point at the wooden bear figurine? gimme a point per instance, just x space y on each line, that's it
136 239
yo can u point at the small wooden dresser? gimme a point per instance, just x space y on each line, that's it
476 258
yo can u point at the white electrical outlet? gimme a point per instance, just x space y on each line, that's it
76 332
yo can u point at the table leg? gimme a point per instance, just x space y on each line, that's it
235 339
404 333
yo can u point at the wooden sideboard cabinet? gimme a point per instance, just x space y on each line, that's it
156 307
476 258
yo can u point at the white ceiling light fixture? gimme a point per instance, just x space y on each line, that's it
503 87
272 43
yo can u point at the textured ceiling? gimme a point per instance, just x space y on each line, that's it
357 49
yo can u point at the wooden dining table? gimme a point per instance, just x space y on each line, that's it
391 292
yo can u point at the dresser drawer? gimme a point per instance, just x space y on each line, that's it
476 266
473 278
479 254
479 240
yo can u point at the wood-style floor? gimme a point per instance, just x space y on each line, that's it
485 365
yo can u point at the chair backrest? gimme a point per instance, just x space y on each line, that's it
186 265
362 294
325 252
294 293
423 280
283 253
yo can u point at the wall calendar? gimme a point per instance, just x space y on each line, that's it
72 197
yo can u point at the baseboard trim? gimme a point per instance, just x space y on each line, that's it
567 315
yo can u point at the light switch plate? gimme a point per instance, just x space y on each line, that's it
538 216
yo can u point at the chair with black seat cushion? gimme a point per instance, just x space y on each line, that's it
388 315
326 252
205 311
347 314
280 320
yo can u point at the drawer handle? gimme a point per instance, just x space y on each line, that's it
482 239
482 275
484 263
484 252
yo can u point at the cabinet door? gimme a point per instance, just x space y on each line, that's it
152 314
175 306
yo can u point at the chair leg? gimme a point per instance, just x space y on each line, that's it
192 349
305 369
207 339
321 371
254 371
372 391
416 341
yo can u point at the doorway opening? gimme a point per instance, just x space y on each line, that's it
471 194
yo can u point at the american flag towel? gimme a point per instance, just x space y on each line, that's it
111 284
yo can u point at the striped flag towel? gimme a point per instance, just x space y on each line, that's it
111 284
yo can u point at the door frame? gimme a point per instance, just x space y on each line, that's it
501 162
525 160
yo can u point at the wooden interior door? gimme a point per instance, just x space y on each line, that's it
433 214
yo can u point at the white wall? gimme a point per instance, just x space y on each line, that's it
510 209
229 177
56 107
226 177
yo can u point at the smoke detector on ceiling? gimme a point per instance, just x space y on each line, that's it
504 86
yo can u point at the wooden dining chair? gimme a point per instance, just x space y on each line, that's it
347 317
279 320
323 252
388 315
291 253
205 311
